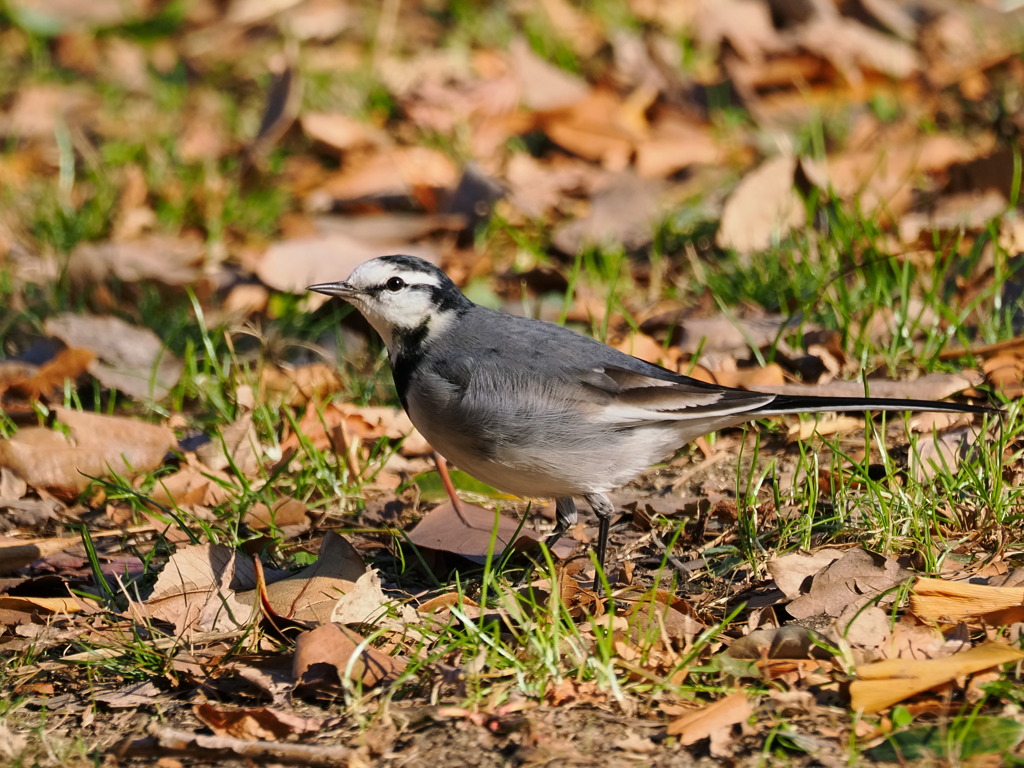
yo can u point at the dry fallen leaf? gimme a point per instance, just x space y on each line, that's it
50 378
291 265
793 572
159 258
129 359
884 683
331 654
720 715
256 722
312 594
856 578
469 534
763 208
16 553
95 446
198 591
938 600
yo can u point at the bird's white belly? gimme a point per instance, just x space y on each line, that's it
551 471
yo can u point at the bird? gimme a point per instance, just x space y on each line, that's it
538 410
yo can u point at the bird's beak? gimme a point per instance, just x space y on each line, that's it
340 289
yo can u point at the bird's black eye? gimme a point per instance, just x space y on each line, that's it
395 284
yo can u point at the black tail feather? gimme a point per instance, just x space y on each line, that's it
808 403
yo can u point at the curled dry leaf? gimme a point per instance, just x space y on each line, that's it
661 612
329 654
942 452
622 214
1005 372
51 377
312 594
129 359
45 605
171 741
938 600
298 386
390 172
366 602
16 553
340 131
884 683
730 334
256 722
94 446
770 375
236 445
791 641
793 572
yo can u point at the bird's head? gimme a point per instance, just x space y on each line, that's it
407 300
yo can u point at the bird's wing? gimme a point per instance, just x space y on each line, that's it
633 396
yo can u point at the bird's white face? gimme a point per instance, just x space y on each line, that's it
401 297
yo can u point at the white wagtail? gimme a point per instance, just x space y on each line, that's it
538 410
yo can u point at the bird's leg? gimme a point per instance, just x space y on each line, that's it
565 515
449 487
603 509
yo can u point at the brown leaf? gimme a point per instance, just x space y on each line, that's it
256 722
95 445
543 85
340 131
793 572
1005 372
16 553
718 716
130 359
192 485
943 452
236 446
621 214
757 378
855 578
291 265
197 591
154 258
884 683
763 208
726 333
328 654
312 594
36 604
791 641
299 386
392 172
674 144
284 513
938 600
68 365
469 535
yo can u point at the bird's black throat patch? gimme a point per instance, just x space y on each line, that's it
409 352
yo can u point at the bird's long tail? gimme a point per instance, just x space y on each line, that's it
807 403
